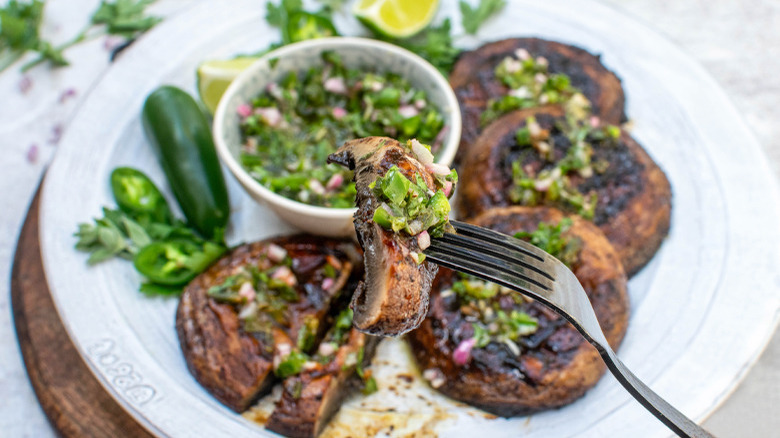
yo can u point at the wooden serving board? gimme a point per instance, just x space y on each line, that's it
72 398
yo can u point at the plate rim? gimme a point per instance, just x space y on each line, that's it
700 72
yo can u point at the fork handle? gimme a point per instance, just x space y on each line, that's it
671 417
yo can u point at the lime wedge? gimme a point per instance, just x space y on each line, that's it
215 76
396 18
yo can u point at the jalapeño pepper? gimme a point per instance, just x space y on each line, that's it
136 195
180 134
175 262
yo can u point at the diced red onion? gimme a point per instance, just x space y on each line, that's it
327 283
420 104
438 169
595 121
520 93
447 188
282 351
286 275
25 84
544 98
316 187
338 113
244 110
375 86
543 185
67 94
32 153
275 253
335 85
247 291
310 365
271 115
335 182
424 240
274 90
542 61
512 65
327 348
522 54
462 354
540 78
424 156
407 111
248 310
534 129
435 377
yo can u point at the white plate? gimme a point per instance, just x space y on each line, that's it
701 311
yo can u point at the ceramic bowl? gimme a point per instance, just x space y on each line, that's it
355 53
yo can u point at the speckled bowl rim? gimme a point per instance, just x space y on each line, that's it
449 149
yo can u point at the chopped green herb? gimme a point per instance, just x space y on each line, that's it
434 44
553 184
530 84
290 129
369 386
410 206
308 333
473 18
20 26
551 239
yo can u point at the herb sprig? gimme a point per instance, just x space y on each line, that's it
20 29
474 18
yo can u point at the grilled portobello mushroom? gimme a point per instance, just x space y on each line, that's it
230 315
311 398
548 364
475 83
624 192
393 298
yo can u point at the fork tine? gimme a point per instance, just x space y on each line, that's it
484 267
477 256
501 252
503 240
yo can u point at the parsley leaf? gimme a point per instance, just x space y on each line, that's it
472 18
125 18
276 15
20 29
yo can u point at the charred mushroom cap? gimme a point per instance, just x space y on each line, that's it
556 365
235 366
311 399
393 298
474 81
634 196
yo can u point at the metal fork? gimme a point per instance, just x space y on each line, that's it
520 266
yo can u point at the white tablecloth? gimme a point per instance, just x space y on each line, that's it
738 41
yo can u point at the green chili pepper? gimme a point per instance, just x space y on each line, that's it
175 262
291 365
394 185
137 196
180 134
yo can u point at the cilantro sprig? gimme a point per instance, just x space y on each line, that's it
473 18
20 23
